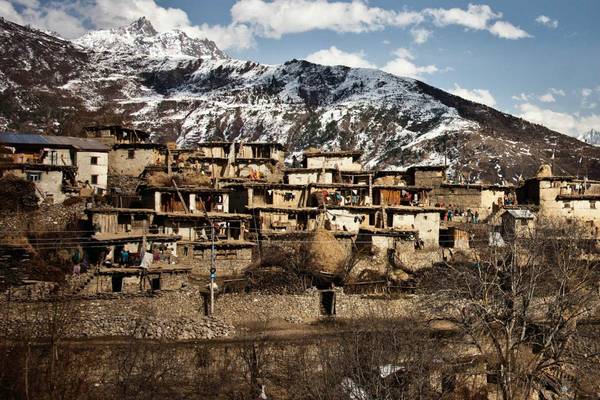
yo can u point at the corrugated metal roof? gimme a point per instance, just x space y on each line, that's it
521 214
9 138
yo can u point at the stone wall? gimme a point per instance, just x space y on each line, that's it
121 164
85 168
308 308
165 315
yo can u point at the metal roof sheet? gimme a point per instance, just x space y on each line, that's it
11 138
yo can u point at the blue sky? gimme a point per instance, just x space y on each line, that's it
538 59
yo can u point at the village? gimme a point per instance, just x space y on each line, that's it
259 234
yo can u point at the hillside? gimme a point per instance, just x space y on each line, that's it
187 90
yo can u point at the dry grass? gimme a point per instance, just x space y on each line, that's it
187 178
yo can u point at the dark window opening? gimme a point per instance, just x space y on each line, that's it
131 154
94 179
117 284
94 160
34 176
328 302
155 283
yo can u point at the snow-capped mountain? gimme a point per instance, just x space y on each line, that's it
141 39
592 137
187 90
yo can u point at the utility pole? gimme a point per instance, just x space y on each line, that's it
213 270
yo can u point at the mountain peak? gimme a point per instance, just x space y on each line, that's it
142 26
141 38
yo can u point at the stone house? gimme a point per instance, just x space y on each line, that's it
517 223
89 157
53 183
424 220
339 160
131 159
566 198
480 198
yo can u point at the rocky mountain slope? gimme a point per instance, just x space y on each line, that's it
187 90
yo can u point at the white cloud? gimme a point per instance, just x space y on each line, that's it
279 17
506 30
233 36
402 65
482 96
420 35
585 92
335 56
276 18
477 17
547 21
547 98
558 92
474 17
571 124
386 42
521 97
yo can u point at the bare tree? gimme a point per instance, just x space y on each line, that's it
521 305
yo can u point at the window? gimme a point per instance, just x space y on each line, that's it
34 176
567 205
94 160
94 179
592 204
131 154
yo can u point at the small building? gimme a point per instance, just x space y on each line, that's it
131 159
339 160
386 245
454 236
53 183
88 156
426 175
517 223
564 197
425 220
481 198
116 134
